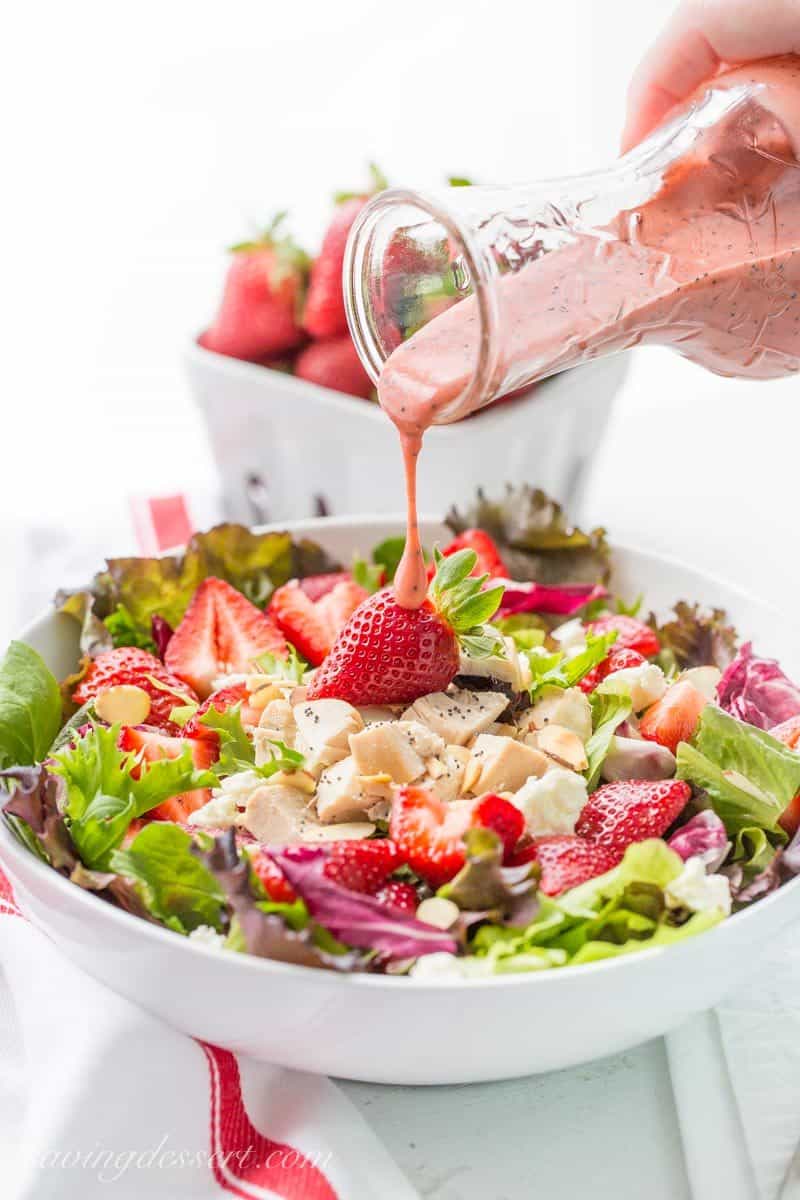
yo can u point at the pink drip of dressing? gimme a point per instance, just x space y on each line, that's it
709 266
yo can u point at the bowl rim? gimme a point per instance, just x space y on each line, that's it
11 847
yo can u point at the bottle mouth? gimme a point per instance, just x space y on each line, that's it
408 260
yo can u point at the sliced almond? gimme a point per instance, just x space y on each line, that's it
438 911
301 780
345 831
124 704
563 745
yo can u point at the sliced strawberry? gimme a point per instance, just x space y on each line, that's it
489 562
567 861
788 732
154 745
338 605
631 810
398 895
220 634
631 634
507 821
317 586
674 717
222 700
129 665
300 622
272 878
615 660
429 833
362 865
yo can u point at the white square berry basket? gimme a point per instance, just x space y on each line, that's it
286 448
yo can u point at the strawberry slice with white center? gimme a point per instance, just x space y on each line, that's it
312 625
430 833
221 634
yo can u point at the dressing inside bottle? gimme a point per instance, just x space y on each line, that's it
691 241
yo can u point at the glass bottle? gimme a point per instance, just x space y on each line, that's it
691 240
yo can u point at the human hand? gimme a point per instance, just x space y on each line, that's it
701 36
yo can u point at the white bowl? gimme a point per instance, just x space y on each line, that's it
394 1030
303 441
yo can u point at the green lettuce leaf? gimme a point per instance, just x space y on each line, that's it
617 913
535 539
102 796
608 713
557 670
95 638
237 752
30 707
485 886
124 632
255 563
748 776
174 885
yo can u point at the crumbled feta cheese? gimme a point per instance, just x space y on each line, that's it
645 684
551 805
571 637
204 935
220 812
442 965
698 891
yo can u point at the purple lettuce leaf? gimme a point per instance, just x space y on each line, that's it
757 691
32 795
545 598
704 836
353 918
161 632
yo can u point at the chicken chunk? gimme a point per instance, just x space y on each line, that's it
499 764
568 707
278 814
343 794
457 715
560 744
323 730
511 667
444 774
386 750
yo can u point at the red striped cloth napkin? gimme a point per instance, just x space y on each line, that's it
95 1094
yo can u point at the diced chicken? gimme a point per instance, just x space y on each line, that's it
343 794
705 679
552 804
499 764
386 750
277 722
444 774
559 706
323 731
560 744
278 814
424 740
457 715
345 831
371 714
511 667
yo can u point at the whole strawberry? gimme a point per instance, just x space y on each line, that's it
334 363
324 315
566 861
387 654
631 810
258 317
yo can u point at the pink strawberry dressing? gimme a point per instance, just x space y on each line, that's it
709 266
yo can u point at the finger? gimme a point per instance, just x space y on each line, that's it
699 37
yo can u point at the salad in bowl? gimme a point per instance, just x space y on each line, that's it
260 751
